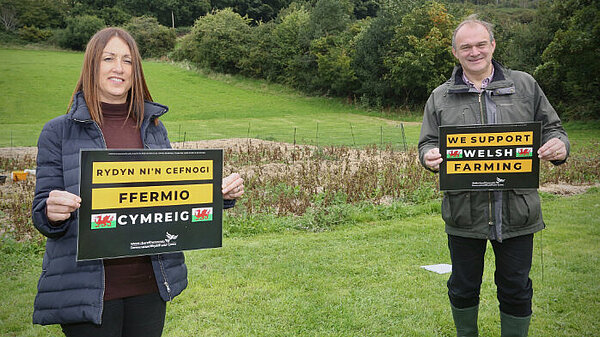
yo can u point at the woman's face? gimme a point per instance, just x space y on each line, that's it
114 73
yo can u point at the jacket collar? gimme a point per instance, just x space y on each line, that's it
500 84
79 111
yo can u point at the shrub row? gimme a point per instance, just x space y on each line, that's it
399 56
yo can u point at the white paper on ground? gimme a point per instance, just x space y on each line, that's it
442 268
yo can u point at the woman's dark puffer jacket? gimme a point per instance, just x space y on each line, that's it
71 291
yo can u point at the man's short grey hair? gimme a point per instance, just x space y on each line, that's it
471 19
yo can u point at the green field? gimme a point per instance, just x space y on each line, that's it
36 86
359 280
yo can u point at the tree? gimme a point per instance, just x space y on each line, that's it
420 57
219 41
184 12
371 46
365 8
570 68
8 16
33 13
258 11
259 61
79 31
329 17
292 40
153 39
42 13
334 55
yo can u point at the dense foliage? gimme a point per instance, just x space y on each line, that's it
79 31
154 40
372 52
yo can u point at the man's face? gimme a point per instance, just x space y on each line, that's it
474 50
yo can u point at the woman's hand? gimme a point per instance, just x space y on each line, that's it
233 186
60 205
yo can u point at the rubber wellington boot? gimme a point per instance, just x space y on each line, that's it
512 326
465 321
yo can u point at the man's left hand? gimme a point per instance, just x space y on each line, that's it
554 149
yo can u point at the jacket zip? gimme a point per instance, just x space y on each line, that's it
158 256
102 264
164 275
481 109
490 221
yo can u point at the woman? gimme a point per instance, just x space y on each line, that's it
111 107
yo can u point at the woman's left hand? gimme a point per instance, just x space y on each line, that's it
233 187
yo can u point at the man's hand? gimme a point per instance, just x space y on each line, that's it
554 149
60 205
433 159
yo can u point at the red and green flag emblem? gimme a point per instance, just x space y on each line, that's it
106 220
454 154
202 214
524 151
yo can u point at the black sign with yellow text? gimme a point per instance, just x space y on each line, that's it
490 157
140 202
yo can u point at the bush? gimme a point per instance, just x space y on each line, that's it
113 16
184 48
40 13
292 40
79 31
419 56
218 41
335 74
153 39
34 34
182 30
259 61
371 46
9 38
569 72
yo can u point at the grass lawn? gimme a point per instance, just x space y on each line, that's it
358 280
37 86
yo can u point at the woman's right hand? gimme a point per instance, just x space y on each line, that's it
60 205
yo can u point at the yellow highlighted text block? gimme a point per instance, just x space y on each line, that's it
490 139
489 166
151 171
151 196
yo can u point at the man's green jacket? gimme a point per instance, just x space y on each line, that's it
512 96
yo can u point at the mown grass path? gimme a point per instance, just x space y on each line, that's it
359 280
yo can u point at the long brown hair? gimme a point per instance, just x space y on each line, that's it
88 80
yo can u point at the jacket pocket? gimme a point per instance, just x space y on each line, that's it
523 207
456 209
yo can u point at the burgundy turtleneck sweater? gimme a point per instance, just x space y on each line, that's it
128 276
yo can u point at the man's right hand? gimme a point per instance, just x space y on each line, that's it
433 159
60 205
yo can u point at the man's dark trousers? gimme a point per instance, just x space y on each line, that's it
513 263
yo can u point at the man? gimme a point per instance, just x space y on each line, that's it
481 91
